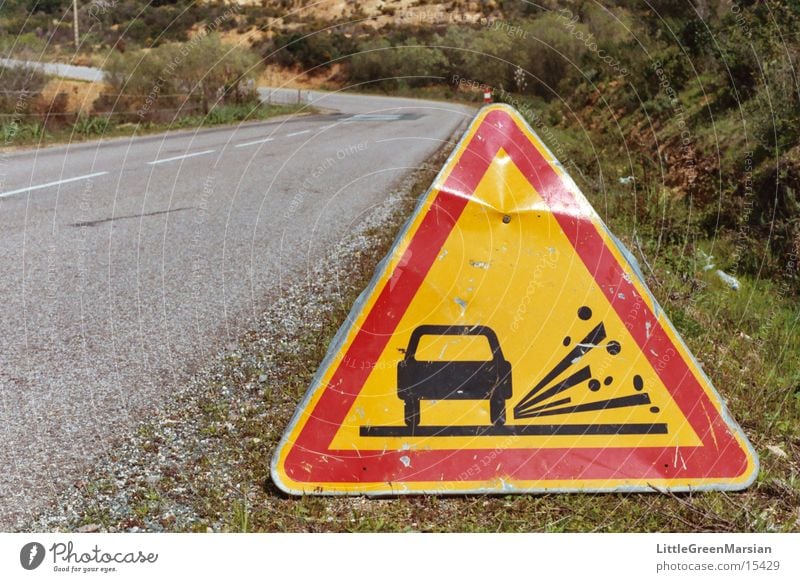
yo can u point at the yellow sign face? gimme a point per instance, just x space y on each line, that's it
509 344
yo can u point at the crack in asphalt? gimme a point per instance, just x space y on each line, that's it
129 216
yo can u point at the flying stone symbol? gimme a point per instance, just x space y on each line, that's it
419 380
542 401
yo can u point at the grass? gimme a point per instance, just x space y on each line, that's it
746 340
94 127
762 388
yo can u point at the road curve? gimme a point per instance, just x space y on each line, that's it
127 263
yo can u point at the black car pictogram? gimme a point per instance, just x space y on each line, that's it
419 380
490 379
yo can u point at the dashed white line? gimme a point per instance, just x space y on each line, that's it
298 133
183 157
56 183
258 141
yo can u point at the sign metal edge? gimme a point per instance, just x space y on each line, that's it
381 270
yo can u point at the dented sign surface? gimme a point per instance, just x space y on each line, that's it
507 344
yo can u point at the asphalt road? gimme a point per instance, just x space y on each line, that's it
127 263
77 72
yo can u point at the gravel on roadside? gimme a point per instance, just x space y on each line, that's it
202 462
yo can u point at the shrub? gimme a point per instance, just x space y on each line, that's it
180 78
307 50
486 56
20 86
552 54
419 65
375 62
47 6
22 46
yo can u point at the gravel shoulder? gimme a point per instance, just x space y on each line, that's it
202 463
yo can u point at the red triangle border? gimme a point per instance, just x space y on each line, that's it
310 460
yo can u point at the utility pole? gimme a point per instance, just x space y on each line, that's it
75 22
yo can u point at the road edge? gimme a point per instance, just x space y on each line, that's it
197 464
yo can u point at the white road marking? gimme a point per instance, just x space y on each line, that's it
56 183
298 133
183 157
249 143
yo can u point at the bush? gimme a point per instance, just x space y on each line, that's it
419 65
552 55
150 24
486 56
20 86
47 6
299 49
180 78
776 204
23 46
375 62
307 50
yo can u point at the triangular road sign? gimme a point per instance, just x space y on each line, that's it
509 344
